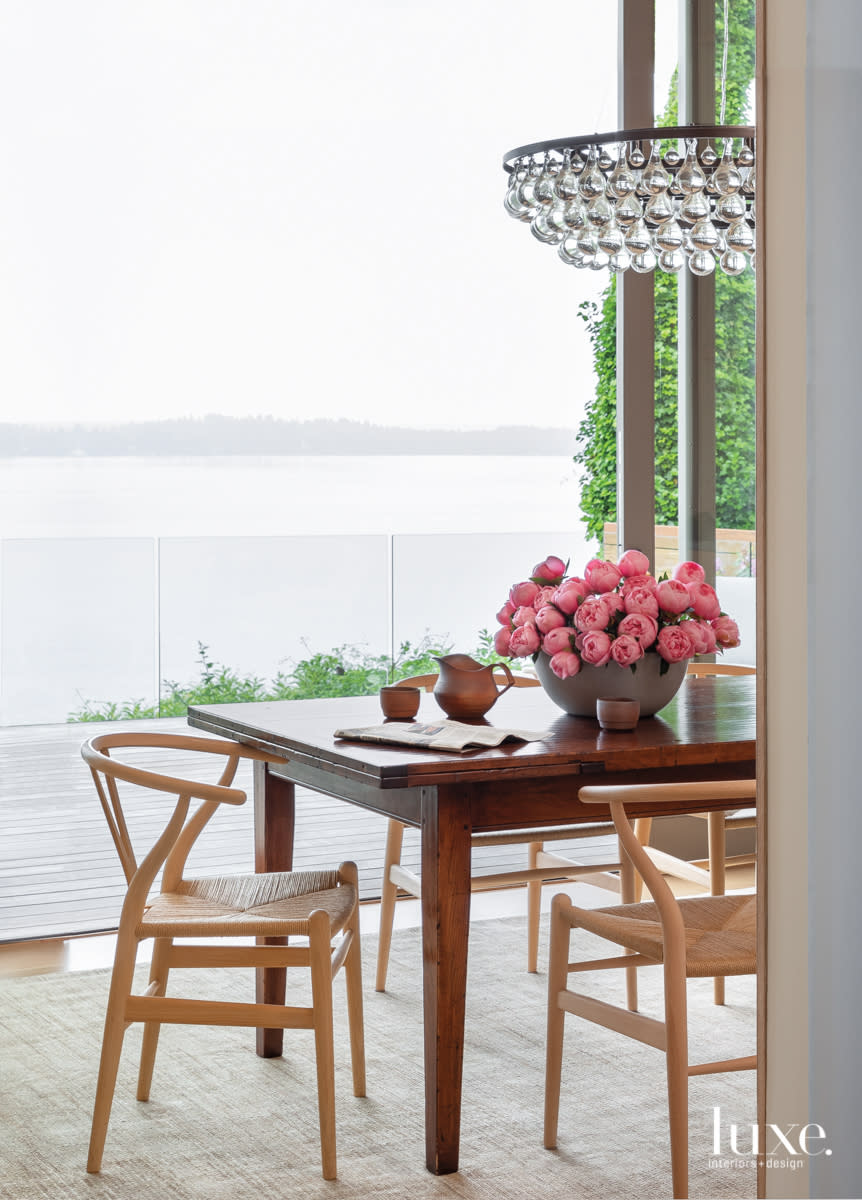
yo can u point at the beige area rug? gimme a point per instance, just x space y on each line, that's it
223 1124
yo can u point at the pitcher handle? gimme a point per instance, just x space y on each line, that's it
505 668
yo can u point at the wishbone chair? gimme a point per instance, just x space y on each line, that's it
698 936
316 905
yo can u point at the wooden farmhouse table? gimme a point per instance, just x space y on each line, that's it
706 732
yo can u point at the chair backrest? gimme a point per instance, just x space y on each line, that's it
714 668
179 834
427 681
738 793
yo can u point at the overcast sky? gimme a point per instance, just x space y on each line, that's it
270 206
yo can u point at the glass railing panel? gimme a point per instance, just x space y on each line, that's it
736 581
450 586
261 605
738 599
77 627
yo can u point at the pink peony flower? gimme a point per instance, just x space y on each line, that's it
524 641
522 593
674 644
634 562
673 596
556 640
689 572
548 617
640 600
525 615
570 593
602 576
504 616
501 641
726 632
639 581
626 650
595 648
614 603
592 614
565 664
704 601
702 635
551 569
545 595
640 626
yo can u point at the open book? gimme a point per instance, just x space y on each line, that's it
438 735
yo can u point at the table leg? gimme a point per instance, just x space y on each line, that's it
274 816
446 829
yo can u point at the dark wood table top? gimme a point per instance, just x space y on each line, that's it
710 721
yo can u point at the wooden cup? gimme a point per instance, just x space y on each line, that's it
400 703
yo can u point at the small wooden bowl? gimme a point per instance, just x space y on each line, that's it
617 713
400 703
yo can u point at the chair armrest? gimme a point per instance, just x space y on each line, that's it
735 791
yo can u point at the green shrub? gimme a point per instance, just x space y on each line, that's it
344 671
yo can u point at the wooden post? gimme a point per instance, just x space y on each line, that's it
635 306
696 366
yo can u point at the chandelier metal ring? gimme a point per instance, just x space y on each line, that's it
660 133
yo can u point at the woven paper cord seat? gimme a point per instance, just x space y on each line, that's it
240 905
719 931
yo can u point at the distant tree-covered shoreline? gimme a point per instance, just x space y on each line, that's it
219 435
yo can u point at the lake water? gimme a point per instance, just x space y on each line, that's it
238 496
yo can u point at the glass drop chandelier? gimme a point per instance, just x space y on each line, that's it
641 198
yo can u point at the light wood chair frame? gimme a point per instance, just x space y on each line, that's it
170 852
671 1034
542 865
709 873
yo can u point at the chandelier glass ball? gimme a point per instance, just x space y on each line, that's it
641 200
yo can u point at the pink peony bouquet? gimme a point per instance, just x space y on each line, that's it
616 613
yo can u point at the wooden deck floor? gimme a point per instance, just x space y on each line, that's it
59 873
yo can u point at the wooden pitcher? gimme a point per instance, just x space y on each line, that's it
466 689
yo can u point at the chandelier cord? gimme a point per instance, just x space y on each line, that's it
724 66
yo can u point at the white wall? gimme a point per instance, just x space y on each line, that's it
783 660
834 101
813 426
